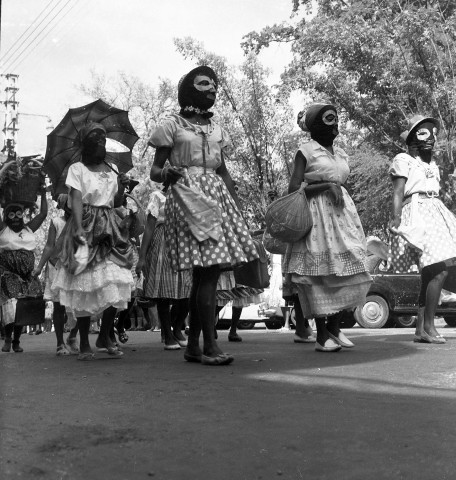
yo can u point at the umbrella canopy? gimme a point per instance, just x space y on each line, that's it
64 147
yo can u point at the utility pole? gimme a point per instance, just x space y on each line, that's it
10 128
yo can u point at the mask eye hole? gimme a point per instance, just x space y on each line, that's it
12 215
330 117
423 134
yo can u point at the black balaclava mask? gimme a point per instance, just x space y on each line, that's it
325 128
11 218
421 140
93 140
197 92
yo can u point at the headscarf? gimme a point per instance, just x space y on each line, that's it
190 99
92 150
313 121
90 127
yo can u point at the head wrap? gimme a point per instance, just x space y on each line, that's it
191 100
12 206
90 127
305 121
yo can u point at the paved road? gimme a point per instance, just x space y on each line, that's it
384 410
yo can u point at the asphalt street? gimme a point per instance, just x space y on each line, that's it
384 410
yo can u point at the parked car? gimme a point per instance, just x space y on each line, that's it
250 315
392 299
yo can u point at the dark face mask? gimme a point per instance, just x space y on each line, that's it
15 224
94 150
202 97
325 127
423 138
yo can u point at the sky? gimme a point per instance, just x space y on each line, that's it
107 36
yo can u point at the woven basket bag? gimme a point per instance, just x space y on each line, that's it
273 245
288 218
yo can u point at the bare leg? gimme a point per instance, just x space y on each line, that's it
59 319
432 299
84 327
235 316
163 308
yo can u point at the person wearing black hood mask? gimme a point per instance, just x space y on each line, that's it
17 259
328 266
424 229
195 148
103 283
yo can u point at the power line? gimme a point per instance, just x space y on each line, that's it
18 62
24 51
3 58
49 51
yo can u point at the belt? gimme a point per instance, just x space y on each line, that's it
422 195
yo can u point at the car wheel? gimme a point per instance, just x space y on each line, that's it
274 323
450 321
374 313
245 325
405 321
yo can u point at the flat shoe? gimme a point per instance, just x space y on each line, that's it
342 340
182 343
192 358
86 356
61 351
234 338
176 346
220 359
329 346
426 338
298 339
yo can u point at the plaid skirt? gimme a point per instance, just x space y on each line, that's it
160 280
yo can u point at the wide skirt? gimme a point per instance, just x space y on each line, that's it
233 248
329 265
439 239
16 281
160 280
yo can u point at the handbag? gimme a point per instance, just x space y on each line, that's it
30 311
137 219
255 273
289 218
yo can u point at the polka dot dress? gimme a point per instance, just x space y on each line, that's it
233 248
439 239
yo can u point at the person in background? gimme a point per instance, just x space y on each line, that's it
17 259
169 289
59 317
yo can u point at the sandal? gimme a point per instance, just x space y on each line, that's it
72 345
86 356
234 337
62 351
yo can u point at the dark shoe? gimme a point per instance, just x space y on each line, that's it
220 359
234 337
16 347
7 345
192 358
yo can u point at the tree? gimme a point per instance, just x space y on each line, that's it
259 120
381 62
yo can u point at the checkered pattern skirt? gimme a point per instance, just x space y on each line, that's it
329 265
160 280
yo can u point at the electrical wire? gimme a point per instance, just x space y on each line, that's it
16 65
24 51
39 60
6 55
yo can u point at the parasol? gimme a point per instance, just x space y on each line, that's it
64 148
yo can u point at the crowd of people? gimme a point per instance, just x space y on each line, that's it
195 235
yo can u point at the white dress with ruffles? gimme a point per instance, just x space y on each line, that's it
103 283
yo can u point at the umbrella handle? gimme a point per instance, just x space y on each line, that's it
133 182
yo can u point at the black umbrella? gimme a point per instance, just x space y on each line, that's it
64 148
